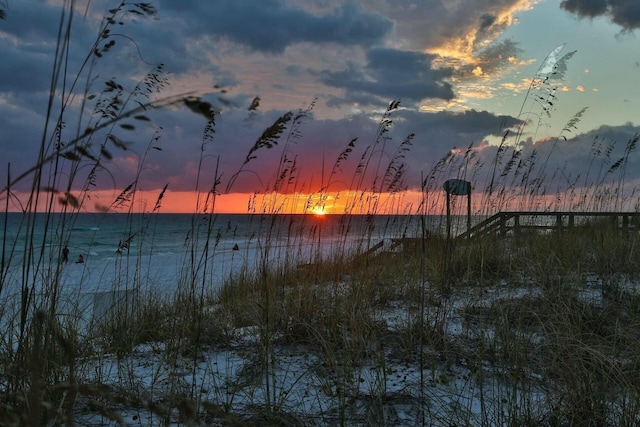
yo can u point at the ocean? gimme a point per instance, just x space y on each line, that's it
175 241
105 236
137 254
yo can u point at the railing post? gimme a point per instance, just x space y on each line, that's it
559 222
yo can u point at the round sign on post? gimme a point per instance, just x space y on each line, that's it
457 187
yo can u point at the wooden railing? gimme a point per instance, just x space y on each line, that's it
506 223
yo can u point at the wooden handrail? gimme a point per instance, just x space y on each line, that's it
498 222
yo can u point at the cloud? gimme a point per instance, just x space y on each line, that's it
625 13
391 73
453 25
586 8
353 55
182 160
273 25
587 158
493 60
463 36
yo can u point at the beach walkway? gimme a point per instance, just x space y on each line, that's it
514 223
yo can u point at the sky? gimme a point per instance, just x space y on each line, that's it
436 76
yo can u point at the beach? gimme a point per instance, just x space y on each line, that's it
263 320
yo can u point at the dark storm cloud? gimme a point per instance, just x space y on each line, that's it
625 13
27 50
30 34
586 8
26 71
28 45
435 135
392 74
588 159
319 139
32 20
189 36
18 135
273 25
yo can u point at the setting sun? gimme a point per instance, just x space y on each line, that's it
319 211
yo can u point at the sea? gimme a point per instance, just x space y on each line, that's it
101 237
164 253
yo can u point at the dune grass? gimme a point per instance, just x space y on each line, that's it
545 334
533 329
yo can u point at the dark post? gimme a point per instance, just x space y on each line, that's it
448 216
469 211
457 187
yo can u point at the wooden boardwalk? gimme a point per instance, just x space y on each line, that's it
513 223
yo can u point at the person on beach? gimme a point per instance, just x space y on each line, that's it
80 259
65 255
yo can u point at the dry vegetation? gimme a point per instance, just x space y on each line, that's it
531 329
